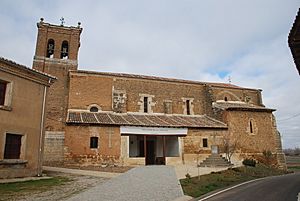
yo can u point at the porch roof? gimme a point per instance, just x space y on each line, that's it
241 106
147 120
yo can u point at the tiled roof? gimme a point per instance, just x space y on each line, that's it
134 76
125 119
294 40
240 106
22 67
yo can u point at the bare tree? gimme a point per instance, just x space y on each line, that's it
229 147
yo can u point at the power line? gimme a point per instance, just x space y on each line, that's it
296 115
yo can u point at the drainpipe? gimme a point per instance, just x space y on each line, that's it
42 131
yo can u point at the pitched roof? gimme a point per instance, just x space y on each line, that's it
294 40
134 76
241 106
147 120
26 69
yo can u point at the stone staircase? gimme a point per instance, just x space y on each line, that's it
215 160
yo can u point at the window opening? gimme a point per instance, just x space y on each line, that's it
188 112
204 142
3 86
251 127
94 109
12 146
226 99
64 50
94 142
50 48
145 104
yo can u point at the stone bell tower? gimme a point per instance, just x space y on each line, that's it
56 53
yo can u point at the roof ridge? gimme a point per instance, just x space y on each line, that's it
26 67
153 77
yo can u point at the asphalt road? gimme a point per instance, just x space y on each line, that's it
281 188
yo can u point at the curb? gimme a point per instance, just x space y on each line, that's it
82 172
14 180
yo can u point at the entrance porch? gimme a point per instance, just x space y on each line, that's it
150 145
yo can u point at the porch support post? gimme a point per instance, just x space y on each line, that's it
164 148
145 149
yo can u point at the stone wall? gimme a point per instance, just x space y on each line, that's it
54 147
262 138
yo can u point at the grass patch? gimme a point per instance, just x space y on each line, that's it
217 180
294 168
34 185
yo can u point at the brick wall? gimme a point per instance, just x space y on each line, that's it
77 144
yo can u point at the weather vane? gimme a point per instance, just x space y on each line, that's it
62 21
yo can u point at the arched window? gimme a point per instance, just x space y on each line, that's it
226 99
94 109
64 54
50 48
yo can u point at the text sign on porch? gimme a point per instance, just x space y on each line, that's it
152 130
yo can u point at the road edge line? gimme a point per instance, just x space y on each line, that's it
230 188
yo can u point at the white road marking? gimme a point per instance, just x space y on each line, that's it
227 189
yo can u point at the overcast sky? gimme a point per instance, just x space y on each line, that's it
189 39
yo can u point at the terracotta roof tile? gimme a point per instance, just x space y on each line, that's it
150 120
103 118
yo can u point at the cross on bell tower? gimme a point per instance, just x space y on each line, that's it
62 21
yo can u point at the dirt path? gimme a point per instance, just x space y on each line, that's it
77 183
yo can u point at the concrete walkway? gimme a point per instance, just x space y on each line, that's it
141 183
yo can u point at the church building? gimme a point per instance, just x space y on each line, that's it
126 119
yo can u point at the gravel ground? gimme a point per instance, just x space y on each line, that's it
79 183
141 183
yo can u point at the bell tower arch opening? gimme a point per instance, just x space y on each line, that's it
50 48
64 54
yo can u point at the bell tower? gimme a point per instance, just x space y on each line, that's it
56 53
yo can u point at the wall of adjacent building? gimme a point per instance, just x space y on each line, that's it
23 118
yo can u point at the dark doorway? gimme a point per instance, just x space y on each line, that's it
150 152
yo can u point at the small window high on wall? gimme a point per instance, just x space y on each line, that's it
50 48
64 50
204 142
94 142
188 108
145 104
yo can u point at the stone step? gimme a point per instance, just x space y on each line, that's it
215 160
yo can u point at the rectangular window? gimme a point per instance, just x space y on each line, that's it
145 104
188 111
3 86
94 142
12 146
204 142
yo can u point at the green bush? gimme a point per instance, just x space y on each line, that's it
249 162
